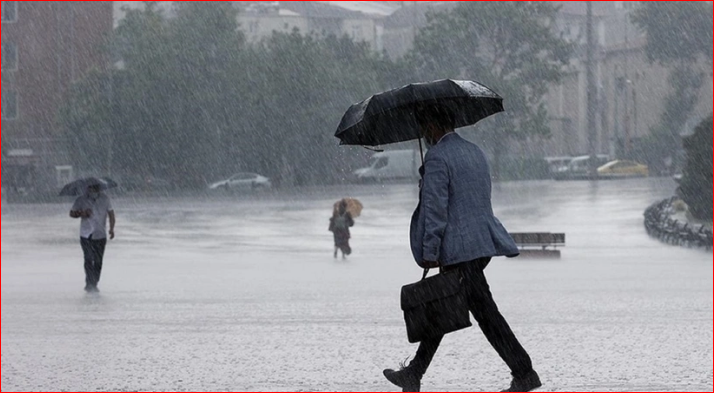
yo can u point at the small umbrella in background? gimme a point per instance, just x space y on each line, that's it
354 207
80 186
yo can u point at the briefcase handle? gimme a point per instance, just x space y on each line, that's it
426 271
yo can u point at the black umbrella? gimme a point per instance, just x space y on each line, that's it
388 117
80 186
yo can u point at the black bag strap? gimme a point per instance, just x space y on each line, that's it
426 271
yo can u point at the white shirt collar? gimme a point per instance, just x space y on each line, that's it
445 135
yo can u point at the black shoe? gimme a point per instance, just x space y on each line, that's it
527 383
91 289
404 378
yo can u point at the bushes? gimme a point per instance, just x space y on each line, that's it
696 186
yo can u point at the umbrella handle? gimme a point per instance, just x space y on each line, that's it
421 152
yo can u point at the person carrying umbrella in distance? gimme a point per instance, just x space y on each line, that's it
453 227
93 207
343 213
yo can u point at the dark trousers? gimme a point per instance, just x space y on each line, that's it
492 323
93 257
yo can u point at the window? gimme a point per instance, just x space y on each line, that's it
9 11
356 32
253 26
9 57
381 163
64 174
9 105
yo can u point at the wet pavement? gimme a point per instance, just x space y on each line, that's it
241 293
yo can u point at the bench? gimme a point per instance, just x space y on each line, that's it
539 244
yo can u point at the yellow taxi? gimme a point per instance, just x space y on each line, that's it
623 168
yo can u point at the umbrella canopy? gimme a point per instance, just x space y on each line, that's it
354 207
389 117
80 186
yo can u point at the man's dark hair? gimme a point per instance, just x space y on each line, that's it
437 114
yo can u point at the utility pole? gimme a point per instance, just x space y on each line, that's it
615 138
591 89
113 116
73 44
626 142
415 18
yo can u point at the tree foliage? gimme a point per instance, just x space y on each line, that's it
679 36
696 187
509 46
663 143
304 85
193 102
676 31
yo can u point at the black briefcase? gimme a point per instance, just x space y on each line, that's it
435 306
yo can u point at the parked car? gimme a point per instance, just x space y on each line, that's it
579 167
242 181
623 168
556 164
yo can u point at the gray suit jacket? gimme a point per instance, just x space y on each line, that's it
454 220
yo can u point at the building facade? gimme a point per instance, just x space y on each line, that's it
631 91
45 47
361 21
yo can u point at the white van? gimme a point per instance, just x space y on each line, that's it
579 167
556 164
391 165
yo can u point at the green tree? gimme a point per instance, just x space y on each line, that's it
664 141
168 105
88 121
193 101
696 187
109 114
676 31
679 36
509 46
302 85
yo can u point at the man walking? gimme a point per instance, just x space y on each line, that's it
454 228
93 208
